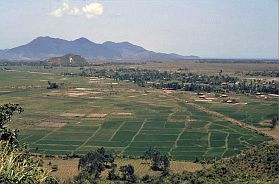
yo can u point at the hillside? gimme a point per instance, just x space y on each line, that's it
256 165
46 47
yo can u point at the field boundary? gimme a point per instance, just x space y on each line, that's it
132 140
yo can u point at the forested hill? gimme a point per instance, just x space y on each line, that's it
67 60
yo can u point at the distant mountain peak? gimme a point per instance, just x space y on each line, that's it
44 47
82 40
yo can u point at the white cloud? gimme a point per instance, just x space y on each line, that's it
90 10
59 12
93 9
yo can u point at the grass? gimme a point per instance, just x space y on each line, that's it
175 128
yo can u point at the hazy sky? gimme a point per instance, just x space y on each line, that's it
207 28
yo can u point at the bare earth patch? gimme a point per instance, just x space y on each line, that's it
84 89
203 100
168 91
123 113
77 93
53 93
97 115
51 124
113 83
81 92
69 114
95 97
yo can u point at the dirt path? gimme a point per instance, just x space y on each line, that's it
178 137
117 130
87 140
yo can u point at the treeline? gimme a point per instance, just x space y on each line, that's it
185 80
272 73
247 61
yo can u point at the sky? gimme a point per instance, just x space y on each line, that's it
206 28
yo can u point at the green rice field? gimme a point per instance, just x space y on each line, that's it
86 113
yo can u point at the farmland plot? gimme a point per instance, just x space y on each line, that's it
116 121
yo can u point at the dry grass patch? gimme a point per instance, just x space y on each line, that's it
83 89
81 92
168 91
123 113
69 168
66 168
70 114
95 97
203 100
77 93
97 115
53 93
51 124
179 166
113 83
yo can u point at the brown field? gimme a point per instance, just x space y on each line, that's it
69 168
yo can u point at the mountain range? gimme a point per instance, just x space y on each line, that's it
47 47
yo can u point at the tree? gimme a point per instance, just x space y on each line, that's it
149 153
6 113
92 163
166 165
274 122
111 174
159 162
156 161
95 162
52 85
128 173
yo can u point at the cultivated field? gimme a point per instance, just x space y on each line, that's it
87 113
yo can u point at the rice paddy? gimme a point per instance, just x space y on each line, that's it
85 114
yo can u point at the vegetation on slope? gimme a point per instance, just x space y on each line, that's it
257 165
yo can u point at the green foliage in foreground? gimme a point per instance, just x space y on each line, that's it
17 166
6 113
